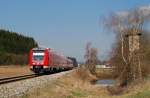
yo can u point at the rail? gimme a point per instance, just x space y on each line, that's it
17 78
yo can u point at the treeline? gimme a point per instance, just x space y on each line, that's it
14 48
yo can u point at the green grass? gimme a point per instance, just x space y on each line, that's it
25 96
143 94
78 93
69 96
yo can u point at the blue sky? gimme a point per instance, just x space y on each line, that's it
65 25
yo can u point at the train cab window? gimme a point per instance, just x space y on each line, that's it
38 55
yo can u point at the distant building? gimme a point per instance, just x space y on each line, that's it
103 66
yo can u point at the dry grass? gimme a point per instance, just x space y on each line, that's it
13 70
73 85
104 73
139 89
77 85
135 90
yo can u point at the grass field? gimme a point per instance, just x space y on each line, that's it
104 73
75 86
13 70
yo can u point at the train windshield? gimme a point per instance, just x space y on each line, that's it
38 55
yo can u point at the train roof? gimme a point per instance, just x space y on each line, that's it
52 50
37 48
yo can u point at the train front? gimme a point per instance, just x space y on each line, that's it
38 60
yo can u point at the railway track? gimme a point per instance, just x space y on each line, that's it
22 77
17 78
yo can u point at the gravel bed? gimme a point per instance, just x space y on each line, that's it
20 88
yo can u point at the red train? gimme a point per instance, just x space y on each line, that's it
47 60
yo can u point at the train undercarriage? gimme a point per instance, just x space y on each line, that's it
43 69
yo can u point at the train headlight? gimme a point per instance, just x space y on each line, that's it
31 67
45 66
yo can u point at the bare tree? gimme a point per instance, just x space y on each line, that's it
91 58
128 25
87 54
